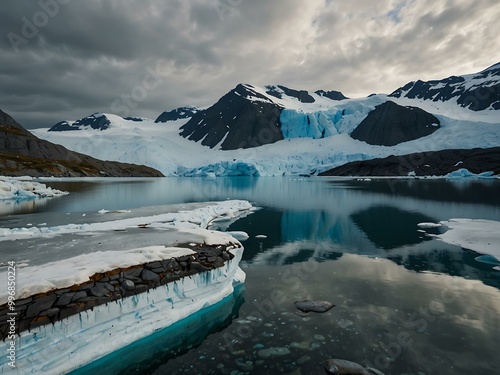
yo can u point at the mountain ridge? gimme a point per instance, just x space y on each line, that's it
22 153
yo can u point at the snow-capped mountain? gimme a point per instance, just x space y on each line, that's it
476 92
22 153
273 130
249 116
177 114
96 121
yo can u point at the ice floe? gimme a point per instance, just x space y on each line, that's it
200 217
20 188
481 236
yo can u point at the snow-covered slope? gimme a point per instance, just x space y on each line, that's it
274 130
476 92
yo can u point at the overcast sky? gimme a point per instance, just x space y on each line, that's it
66 59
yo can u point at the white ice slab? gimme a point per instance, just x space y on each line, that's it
200 217
482 236
24 188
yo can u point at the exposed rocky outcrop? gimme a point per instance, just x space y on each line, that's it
103 288
177 114
97 121
279 90
333 95
390 124
242 118
431 163
21 154
474 91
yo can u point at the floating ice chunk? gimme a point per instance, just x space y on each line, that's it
261 236
25 188
240 236
462 173
488 259
474 234
429 225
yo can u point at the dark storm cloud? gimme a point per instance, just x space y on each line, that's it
64 59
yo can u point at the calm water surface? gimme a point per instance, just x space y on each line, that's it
405 303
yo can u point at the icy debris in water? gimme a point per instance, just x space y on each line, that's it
261 236
488 259
345 323
429 225
303 345
240 236
319 337
273 352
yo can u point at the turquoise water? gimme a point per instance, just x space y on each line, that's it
405 303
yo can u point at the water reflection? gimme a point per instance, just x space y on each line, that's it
389 227
151 354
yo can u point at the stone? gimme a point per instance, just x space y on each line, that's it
53 311
78 296
23 301
158 270
65 299
148 275
134 272
100 290
128 285
314 306
303 359
273 352
341 366
87 286
152 265
199 267
40 304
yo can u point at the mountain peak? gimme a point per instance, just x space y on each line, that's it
97 121
177 114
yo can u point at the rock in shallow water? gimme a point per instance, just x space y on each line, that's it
343 367
314 306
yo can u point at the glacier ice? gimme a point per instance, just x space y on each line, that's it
79 339
24 188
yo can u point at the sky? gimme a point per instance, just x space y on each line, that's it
66 59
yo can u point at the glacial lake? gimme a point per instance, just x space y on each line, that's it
405 303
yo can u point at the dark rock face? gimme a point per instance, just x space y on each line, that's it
242 118
334 95
301 95
177 114
432 163
476 91
390 124
21 154
135 119
96 121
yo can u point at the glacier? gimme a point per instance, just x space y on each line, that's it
316 138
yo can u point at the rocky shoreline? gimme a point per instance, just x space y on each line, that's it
430 163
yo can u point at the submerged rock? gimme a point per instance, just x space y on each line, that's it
314 306
343 367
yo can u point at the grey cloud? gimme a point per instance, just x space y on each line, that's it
95 52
